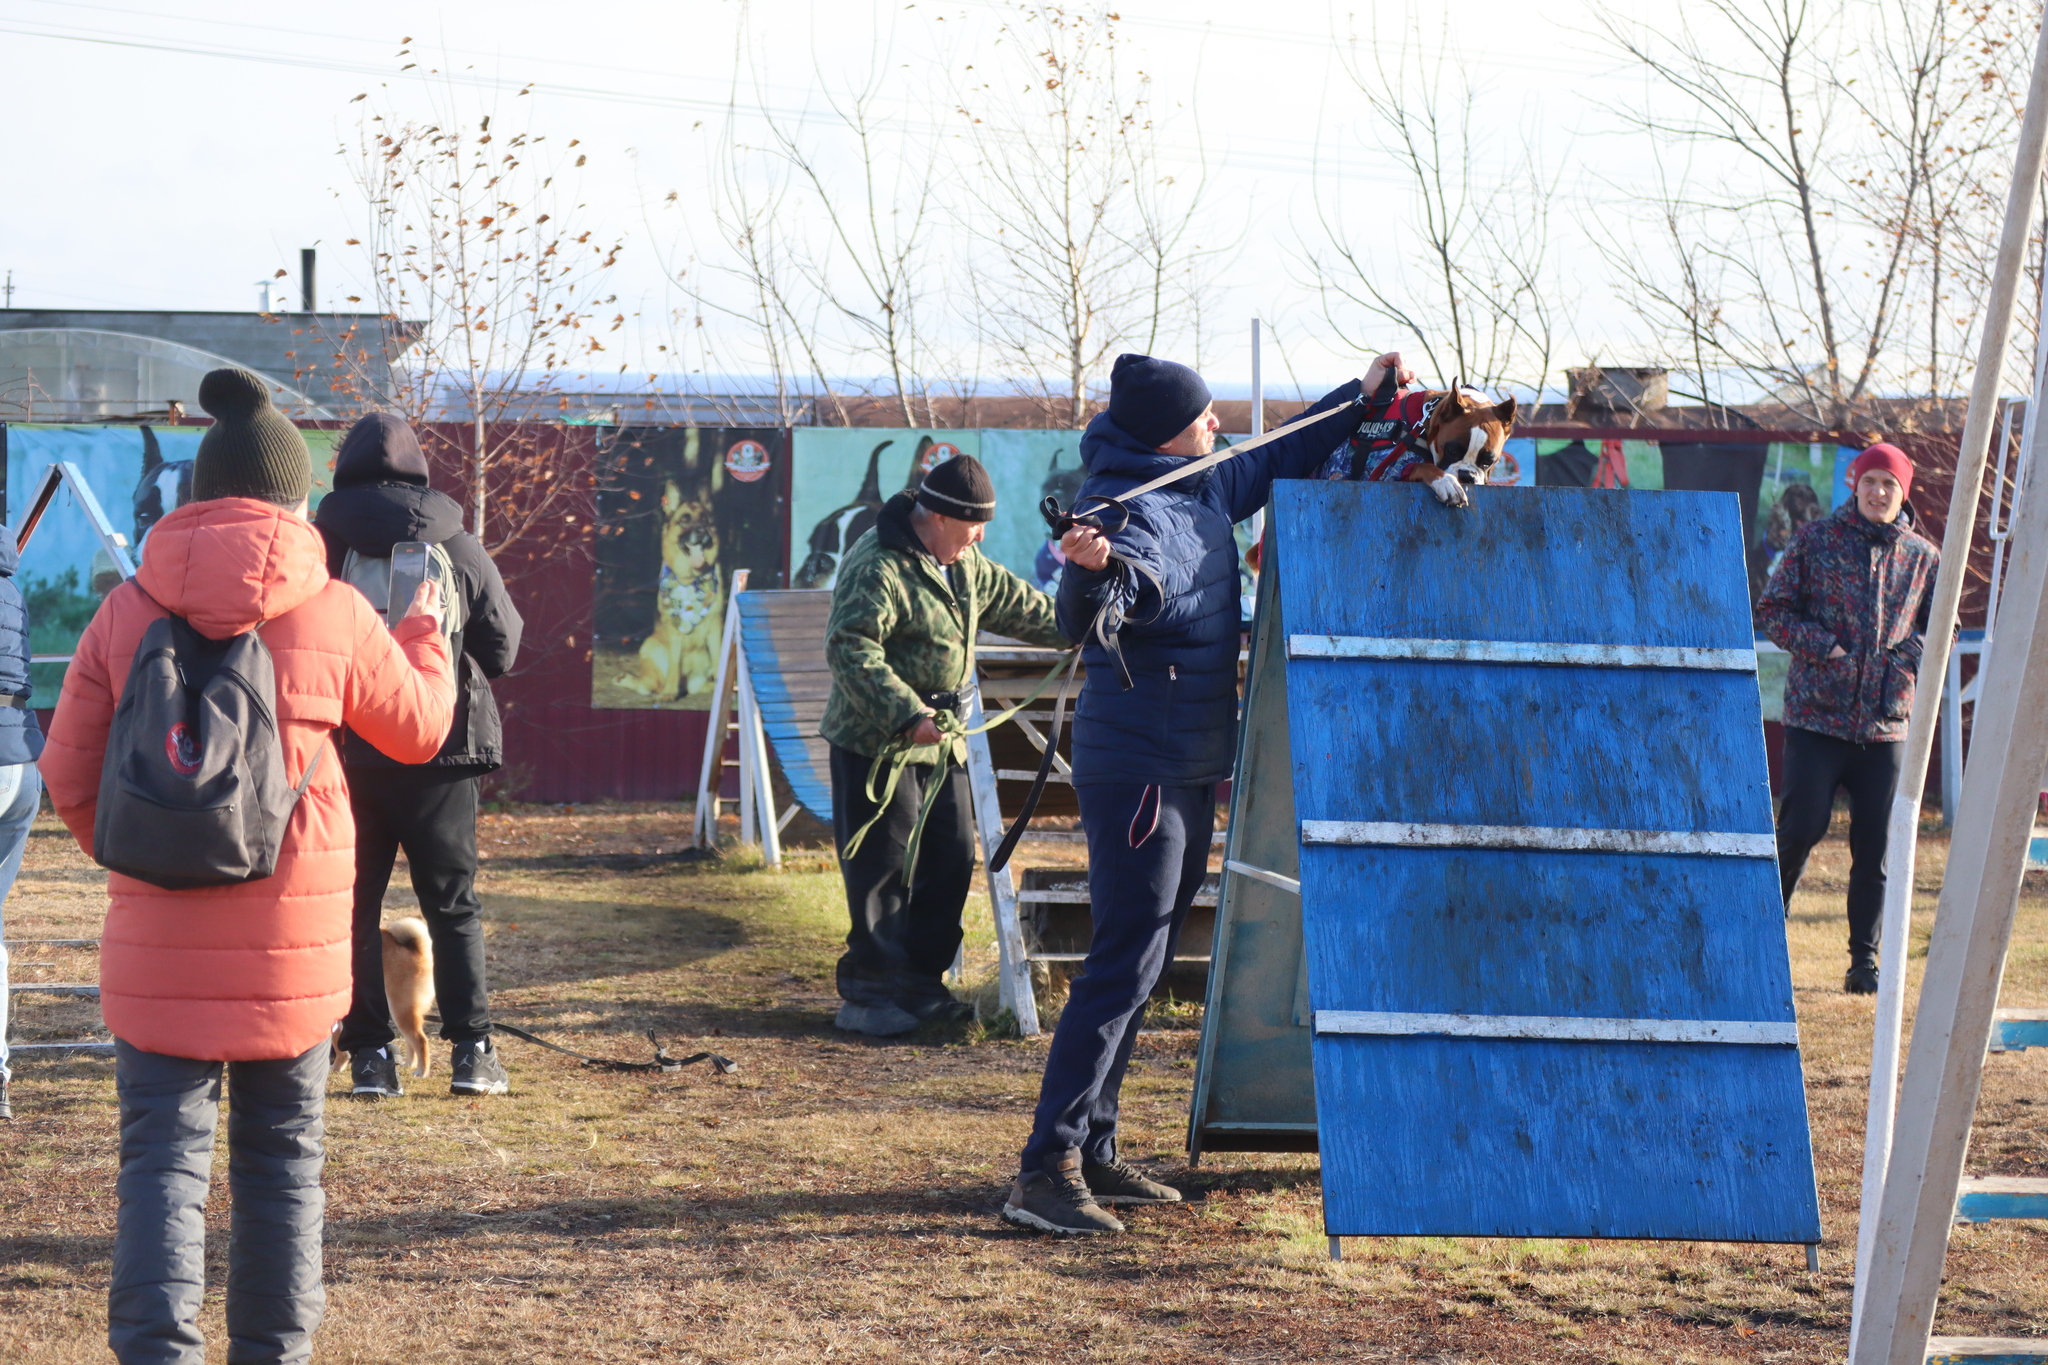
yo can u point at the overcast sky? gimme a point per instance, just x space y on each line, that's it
170 154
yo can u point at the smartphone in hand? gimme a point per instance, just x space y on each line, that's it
408 571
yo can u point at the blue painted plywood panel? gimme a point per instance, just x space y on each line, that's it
783 633
1512 1137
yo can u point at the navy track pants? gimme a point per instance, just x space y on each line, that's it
1148 850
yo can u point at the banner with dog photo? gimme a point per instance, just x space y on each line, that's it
843 475
678 510
137 474
840 478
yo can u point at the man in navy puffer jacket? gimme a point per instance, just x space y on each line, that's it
1154 733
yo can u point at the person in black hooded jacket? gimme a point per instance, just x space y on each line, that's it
381 498
21 744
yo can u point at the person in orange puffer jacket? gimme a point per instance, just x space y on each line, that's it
247 978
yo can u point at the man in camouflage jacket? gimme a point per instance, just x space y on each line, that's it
1848 601
906 605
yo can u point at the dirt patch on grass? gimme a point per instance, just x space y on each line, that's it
835 1199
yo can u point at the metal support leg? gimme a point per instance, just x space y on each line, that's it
1014 968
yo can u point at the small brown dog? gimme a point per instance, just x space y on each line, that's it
409 985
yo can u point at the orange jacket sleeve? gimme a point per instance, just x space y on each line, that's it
76 746
401 689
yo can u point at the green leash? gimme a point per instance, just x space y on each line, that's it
886 771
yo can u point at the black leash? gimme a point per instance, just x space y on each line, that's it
1109 516
663 1060
1001 858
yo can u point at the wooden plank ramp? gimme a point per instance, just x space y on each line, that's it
2018 1030
1991 1198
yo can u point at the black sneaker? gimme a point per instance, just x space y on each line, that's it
1057 1201
375 1072
1861 979
6 1105
942 1011
478 1070
1119 1182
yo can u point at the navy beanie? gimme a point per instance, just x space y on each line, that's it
1155 400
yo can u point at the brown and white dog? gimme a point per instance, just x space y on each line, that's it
1462 429
408 987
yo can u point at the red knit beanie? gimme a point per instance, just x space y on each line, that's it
1890 459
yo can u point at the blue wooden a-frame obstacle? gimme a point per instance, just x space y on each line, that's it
1547 982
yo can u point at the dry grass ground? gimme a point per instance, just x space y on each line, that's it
834 1201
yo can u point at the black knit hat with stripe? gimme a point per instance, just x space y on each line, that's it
252 450
960 488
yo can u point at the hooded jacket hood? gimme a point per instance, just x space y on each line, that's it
380 448
10 555
372 518
229 564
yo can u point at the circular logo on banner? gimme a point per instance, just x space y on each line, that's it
1507 471
940 452
747 461
182 749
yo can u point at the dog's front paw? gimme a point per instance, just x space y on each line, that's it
1449 491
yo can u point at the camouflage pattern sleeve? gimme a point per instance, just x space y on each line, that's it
868 604
1012 607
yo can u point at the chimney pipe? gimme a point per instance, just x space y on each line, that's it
306 279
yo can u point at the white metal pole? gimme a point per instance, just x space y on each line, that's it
1904 826
1965 961
754 744
1258 384
704 827
750 814
1013 967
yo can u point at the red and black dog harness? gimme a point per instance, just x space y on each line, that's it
1387 444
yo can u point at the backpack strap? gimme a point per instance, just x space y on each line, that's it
311 768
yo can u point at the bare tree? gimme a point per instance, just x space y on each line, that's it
1469 272
1943 103
1087 234
1836 189
874 268
751 279
470 234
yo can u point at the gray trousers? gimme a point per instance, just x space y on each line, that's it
170 1107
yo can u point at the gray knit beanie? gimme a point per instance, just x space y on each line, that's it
252 450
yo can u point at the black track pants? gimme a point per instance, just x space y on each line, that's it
1816 766
1148 850
902 939
431 814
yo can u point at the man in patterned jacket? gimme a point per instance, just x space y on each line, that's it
910 595
1848 601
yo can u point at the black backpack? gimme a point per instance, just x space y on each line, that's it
193 790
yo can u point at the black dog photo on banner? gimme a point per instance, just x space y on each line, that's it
1725 467
678 510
